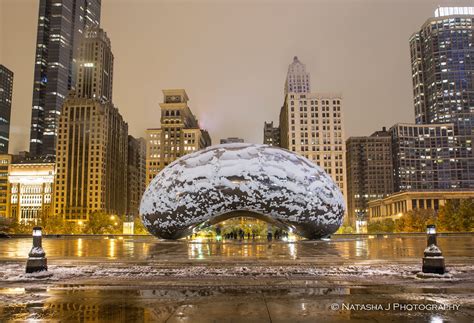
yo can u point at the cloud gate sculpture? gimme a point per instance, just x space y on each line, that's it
224 181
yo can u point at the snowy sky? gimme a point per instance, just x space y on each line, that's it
232 56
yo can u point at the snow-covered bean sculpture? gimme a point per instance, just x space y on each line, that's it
229 180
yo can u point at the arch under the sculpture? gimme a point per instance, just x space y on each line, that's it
249 214
301 229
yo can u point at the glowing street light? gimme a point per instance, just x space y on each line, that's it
431 229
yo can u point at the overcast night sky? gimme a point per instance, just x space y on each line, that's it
232 56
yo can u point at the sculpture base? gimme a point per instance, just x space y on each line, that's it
433 265
34 265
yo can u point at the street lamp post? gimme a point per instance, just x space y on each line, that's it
37 257
433 260
361 222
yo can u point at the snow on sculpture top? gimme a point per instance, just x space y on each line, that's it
218 182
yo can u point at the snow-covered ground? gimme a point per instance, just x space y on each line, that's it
208 292
14 272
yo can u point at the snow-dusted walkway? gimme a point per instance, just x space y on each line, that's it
112 280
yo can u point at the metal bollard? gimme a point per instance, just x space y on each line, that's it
433 260
37 257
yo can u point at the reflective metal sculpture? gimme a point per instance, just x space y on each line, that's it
229 180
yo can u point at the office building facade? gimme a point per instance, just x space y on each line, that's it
369 172
179 133
312 125
424 157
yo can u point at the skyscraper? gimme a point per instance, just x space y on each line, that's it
442 59
95 66
311 124
369 172
6 91
61 24
442 66
91 159
297 79
179 133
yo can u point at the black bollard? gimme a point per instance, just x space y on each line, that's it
37 257
433 260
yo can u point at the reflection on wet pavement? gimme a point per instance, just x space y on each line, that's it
149 249
105 281
220 304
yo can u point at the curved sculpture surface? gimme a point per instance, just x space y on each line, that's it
230 180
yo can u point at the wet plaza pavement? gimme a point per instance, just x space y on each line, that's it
368 279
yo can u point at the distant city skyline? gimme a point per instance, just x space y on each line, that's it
233 70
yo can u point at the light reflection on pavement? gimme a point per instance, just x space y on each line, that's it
203 297
407 248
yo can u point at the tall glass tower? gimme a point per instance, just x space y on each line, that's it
61 24
6 91
442 59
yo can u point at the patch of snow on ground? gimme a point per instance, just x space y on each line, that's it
61 273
